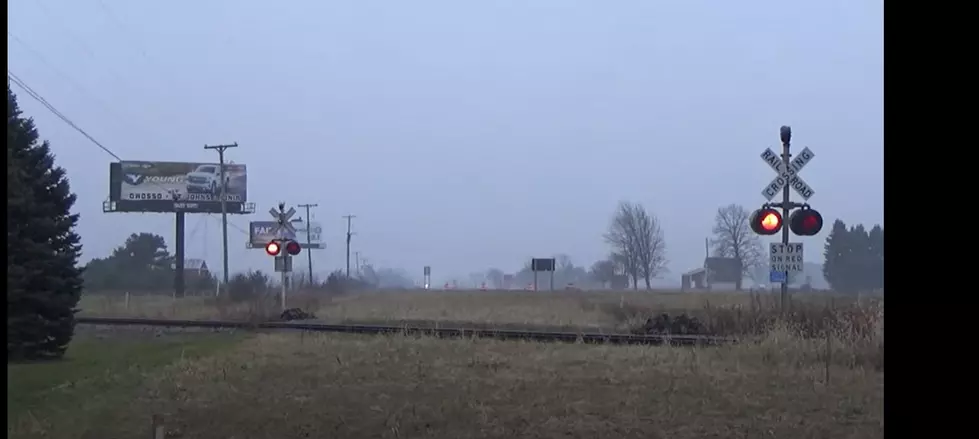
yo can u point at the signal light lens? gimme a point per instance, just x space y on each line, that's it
771 221
806 222
293 248
272 248
766 221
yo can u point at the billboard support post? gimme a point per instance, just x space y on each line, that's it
224 204
178 282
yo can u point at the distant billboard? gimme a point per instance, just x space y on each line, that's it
136 186
261 232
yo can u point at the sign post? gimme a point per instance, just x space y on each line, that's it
542 264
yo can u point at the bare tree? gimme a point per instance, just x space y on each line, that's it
638 241
733 238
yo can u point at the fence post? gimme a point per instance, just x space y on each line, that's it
127 300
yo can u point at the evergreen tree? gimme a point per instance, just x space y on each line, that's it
142 263
836 267
876 247
859 261
43 279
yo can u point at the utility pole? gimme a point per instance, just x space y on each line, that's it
224 204
357 262
349 218
309 241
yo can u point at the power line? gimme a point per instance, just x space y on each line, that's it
67 78
54 110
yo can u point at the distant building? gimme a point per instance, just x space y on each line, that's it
193 266
716 274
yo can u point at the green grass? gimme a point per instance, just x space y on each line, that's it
97 375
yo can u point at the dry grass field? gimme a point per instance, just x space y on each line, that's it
291 385
815 372
600 311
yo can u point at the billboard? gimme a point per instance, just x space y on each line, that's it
261 232
136 186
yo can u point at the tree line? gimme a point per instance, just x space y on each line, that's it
853 259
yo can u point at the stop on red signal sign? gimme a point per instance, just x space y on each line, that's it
766 221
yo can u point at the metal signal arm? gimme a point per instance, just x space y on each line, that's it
791 205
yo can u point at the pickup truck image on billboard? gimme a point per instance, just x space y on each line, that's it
182 181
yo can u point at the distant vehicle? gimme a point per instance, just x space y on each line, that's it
206 178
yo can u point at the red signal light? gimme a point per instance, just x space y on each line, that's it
272 248
805 222
766 221
293 248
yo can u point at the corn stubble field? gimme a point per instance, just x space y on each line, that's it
787 379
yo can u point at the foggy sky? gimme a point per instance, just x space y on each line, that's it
462 134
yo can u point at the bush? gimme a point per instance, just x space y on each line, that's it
248 286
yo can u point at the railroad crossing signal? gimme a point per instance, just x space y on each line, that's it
788 176
283 228
766 221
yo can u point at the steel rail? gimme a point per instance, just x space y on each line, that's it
505 334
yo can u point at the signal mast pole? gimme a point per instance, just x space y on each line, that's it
785 132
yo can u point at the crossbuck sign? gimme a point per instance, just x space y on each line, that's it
282 220
788 176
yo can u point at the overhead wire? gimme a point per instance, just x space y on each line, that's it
12 77
67 78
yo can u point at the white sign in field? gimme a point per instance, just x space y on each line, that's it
786 257
787 176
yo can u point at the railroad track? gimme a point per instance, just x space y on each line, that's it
504 334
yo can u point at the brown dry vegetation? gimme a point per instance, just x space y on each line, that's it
787 379
599 311
313 385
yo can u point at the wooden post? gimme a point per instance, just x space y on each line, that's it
159 432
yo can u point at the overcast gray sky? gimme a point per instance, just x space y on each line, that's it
462 134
